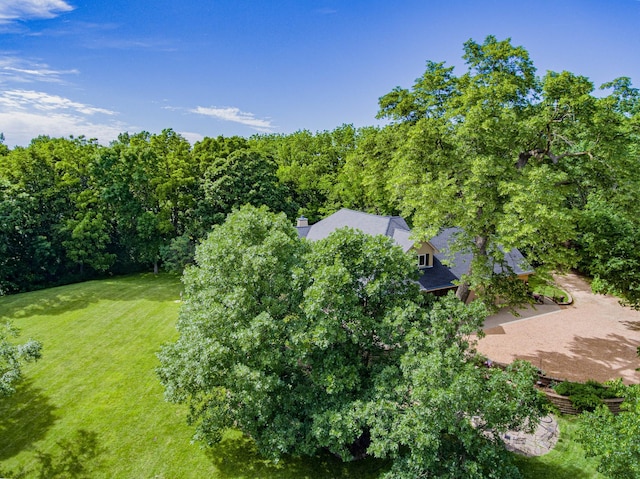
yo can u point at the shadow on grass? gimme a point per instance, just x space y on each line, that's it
74 458
236 457
62 299
25 418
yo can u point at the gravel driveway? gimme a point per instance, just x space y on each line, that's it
593 338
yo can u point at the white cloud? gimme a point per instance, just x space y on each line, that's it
21 99
26 114
237 116
20 70
12 10
194 137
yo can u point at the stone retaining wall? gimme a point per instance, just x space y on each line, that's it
563 403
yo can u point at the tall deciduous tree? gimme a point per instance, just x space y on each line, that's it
328 345
609 243
244 177
502 154
309 164
43 186
148 182
363 179
613 439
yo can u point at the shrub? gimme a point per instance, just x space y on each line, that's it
588 396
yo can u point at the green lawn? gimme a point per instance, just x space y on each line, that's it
546 287
94 407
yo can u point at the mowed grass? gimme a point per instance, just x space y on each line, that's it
93 401
94 405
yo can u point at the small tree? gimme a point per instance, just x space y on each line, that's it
12 356
329 346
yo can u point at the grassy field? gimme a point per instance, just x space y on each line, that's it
93 407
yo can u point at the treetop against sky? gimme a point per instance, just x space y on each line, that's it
87 67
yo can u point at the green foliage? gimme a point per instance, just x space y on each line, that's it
178 254
362 181
588 396
613 439
12 357
327 346
309 164
610 244
244 177
39 188
506 156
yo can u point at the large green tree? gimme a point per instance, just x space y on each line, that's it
147 182
613 439
244 177
329 345
309 165
503 154
609 242
43 197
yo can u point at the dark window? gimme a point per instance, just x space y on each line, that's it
423 261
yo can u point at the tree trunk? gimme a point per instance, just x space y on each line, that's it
464 289
155 267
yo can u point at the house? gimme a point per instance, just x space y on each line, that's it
439 269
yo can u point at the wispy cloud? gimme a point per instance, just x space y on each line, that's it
192 137
25 114
20 70
21 99
235 115
13 10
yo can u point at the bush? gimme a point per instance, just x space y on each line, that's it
588 396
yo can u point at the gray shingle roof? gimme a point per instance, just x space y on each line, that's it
447 267
365 222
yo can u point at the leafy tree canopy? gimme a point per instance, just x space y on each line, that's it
329 345
613 440
505 155
610 244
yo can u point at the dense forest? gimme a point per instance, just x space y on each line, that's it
546 164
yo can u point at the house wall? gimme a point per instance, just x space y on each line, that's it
425 248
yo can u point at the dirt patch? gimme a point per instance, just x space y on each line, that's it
593 338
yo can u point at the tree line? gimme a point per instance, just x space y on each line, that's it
545 164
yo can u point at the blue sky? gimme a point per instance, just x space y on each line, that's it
237 67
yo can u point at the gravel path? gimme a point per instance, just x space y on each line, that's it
593 338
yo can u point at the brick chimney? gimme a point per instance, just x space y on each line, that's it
302 221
